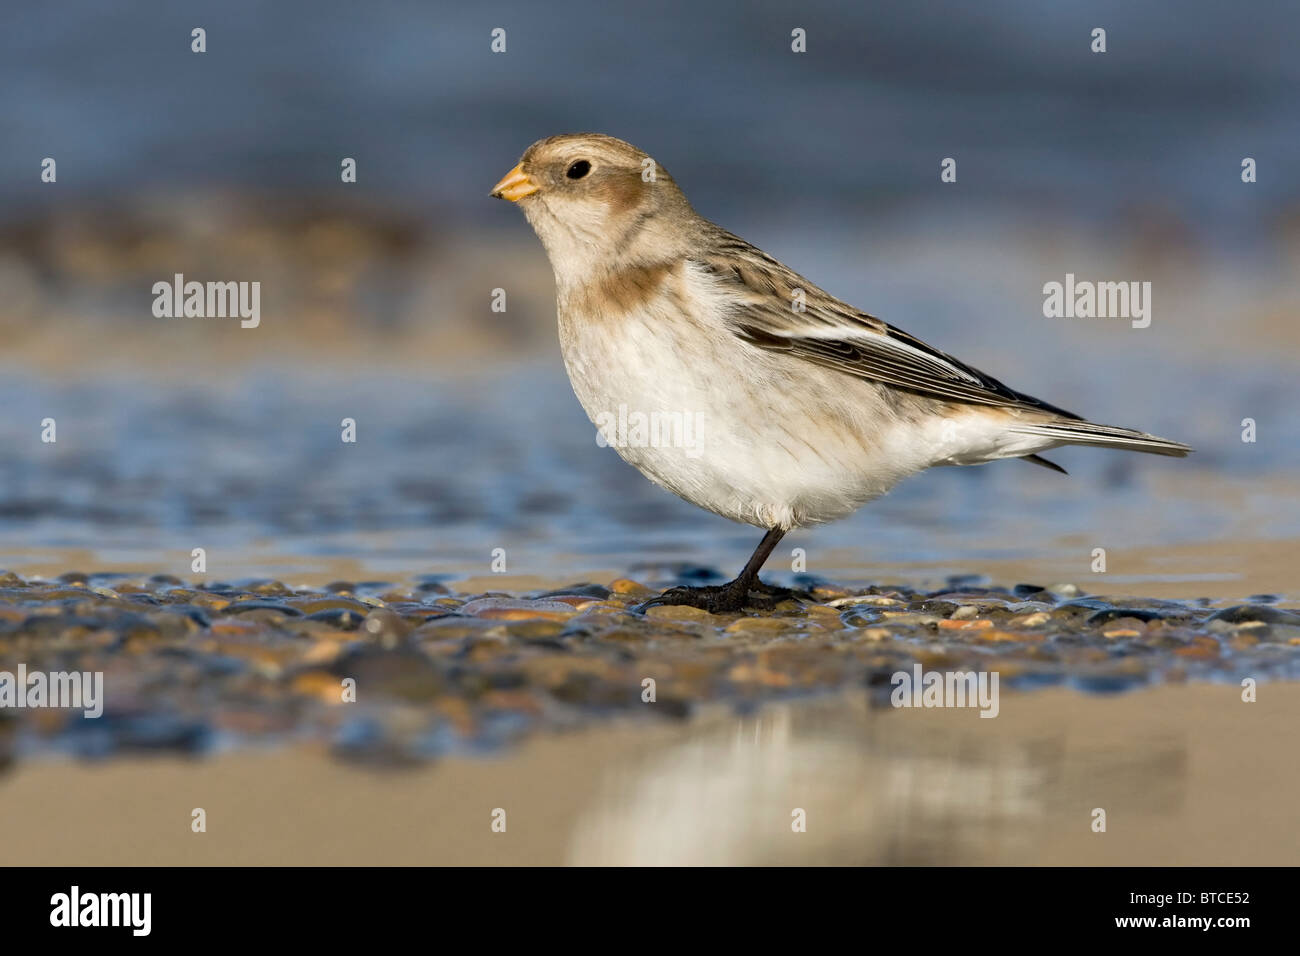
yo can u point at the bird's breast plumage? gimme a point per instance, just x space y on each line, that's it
719 422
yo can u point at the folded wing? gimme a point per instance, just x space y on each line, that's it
833 334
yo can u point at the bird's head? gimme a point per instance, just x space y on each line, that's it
596 203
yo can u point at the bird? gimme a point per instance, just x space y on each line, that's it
785 406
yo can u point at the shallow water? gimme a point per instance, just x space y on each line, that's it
445 473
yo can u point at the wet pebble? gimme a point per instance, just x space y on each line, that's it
432 665
385 627
511 609
342 618
1252 613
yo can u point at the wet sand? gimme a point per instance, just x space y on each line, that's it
1188 775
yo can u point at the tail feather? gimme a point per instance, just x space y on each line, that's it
1104 436
1043 462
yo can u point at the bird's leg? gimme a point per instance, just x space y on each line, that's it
732 596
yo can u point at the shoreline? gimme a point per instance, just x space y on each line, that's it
1232 569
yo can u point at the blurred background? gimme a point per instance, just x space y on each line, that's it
376 295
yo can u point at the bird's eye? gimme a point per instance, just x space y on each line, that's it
578 170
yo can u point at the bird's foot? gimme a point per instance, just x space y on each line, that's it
724 598
778 594
716 599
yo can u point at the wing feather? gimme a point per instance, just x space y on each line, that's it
834 335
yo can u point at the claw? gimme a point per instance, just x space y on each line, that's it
646 605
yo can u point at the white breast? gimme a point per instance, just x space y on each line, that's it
751 435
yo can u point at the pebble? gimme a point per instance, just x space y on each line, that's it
629 587
678 613
1253 613
385 627
509 609
765 626
1037 619
315 605
343 618
872 600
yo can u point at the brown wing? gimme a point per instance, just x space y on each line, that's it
835 335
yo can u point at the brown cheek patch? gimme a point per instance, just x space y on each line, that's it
631 288
624 192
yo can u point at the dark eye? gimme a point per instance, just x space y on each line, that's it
578 169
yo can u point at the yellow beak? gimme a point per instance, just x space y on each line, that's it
515 185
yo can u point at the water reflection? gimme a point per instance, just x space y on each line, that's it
913 788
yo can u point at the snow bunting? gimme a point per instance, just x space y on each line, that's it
750 391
